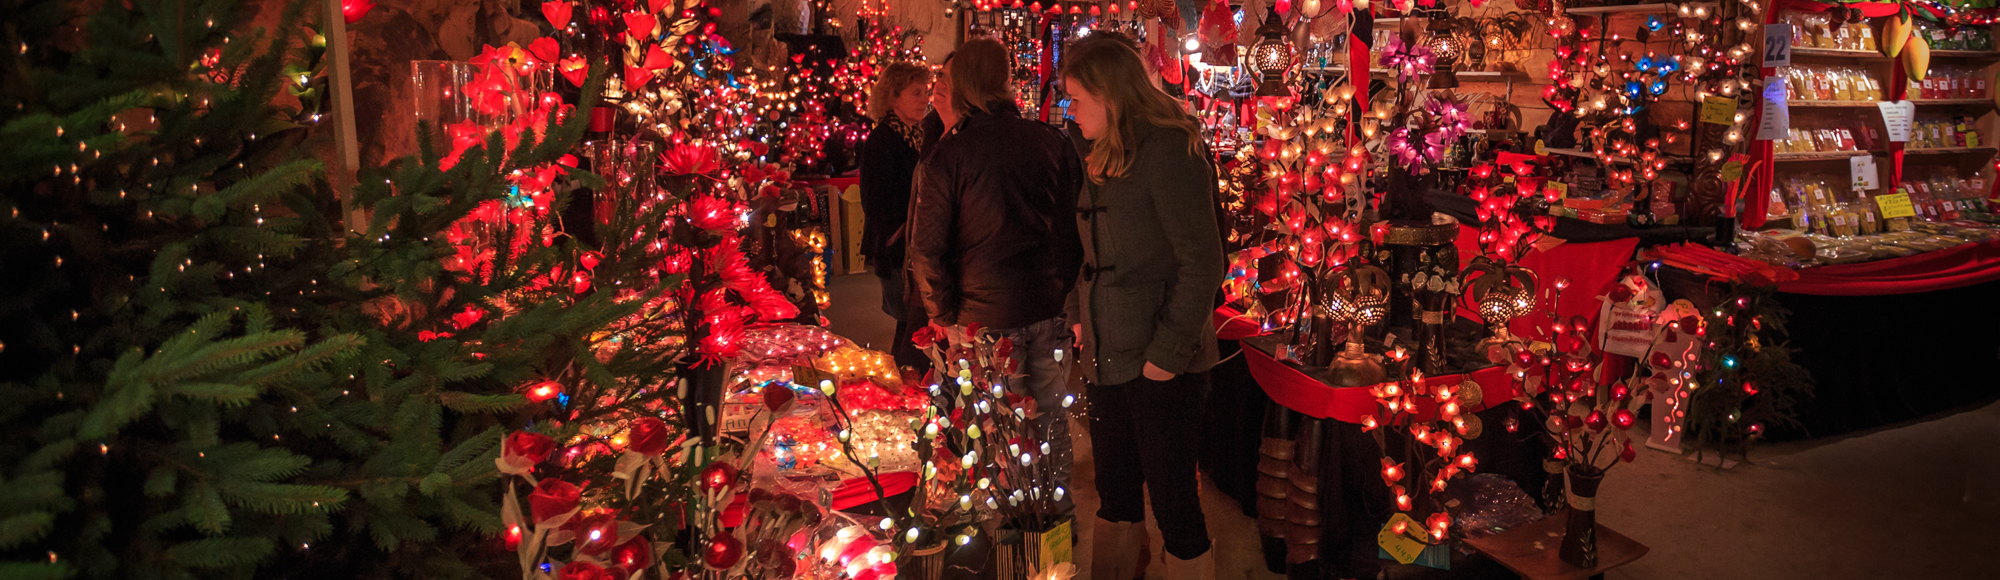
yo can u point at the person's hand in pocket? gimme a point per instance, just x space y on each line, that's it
1156 373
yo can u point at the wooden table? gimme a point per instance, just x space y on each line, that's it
1530 550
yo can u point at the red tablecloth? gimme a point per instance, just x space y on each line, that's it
1940 270
1299 392
852 492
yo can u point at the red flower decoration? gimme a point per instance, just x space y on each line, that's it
657 59
558 13
354 10
639 24
553 498
649 436
633 555
468 317
711 213
545 49
596 533
1621 293
636 77
531 448
687 159
718 476
575 70
580 570
924 337
722 552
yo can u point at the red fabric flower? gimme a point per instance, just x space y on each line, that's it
468 317
924 337
772 306
713 214
558 13
531 447
649 436
581 570
354 10
552 498
633 555
1621 293
576 70
545 49
687 159
596 533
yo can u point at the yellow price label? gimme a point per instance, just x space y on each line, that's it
1402 546
1895 205
1732 171
1718 110
1056 544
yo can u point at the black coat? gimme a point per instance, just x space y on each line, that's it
1153 262
993 233
888 165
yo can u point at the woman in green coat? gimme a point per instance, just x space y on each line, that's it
1145 297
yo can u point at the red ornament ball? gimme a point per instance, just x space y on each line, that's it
719 475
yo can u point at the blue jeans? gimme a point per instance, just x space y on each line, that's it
1046 381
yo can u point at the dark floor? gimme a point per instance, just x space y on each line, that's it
1913 500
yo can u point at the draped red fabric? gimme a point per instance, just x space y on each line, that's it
1230 324
1940 270
1590 268
852 492
1300 392
1869 9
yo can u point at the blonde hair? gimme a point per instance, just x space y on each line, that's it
1113 72
895 79
979 72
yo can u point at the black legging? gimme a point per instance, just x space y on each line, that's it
1145 435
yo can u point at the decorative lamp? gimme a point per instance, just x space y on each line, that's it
1447 46
1272 56
1501 293
1357 294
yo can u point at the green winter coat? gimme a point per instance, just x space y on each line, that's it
1152 263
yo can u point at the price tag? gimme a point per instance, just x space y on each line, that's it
1865 175
1895 206
1896 117
1401 547
1777 45
1777 119
1732 171
1718 110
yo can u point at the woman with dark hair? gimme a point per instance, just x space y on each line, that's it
888 162
1152 262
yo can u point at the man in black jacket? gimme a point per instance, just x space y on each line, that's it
993 241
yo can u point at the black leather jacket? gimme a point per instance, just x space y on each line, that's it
993 237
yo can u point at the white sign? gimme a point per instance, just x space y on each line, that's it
1776 121
1777 45
1896 116
1864 172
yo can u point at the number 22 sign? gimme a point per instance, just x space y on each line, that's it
1777 45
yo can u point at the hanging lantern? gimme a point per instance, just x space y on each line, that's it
1272 56
1448 46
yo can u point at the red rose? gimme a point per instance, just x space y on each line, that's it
585 571
553 498
972 330
722 551
595 534
1621 293
525 449
633 555
649 436
924 337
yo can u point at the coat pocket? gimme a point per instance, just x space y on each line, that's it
1125 321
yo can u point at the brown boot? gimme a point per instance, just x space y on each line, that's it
1114 548
1200 568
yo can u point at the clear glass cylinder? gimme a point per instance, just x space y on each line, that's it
627 167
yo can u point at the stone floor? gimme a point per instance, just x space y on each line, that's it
1913 500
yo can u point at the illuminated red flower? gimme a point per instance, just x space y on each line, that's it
924 337
639 24
575 70
545 49
633 555
525 449
649 436
354 10
553 498
772 306
580 570
558 13
713 214
687 159
596 533
468 317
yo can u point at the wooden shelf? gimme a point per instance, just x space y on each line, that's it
1949 102
1652 8
1819 155
1834 52
1818 103
1492 76
1995 54
1950 150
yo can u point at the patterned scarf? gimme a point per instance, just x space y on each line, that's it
911 135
